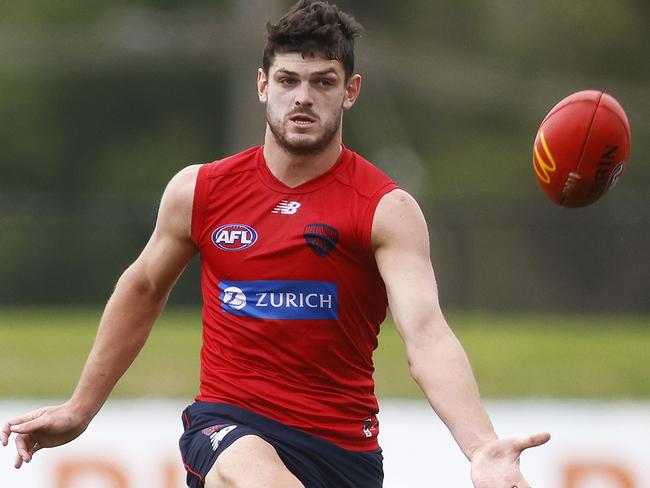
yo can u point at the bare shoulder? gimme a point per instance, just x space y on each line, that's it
181 187
175 212
397 217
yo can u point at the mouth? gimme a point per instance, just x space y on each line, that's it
302 120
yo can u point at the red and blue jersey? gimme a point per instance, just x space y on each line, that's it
292 296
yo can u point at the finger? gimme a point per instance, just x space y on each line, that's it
35 447
18 462
10 425
24 446
26 417
29 426
533 441
5 433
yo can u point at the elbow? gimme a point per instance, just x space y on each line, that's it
419 354
418 369
135 284
415 371
426 348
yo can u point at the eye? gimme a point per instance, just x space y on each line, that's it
288 81
326 82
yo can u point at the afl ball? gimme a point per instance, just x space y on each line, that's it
581 148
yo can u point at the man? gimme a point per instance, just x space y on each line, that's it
303 244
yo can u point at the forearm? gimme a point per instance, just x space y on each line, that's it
124 328
440 366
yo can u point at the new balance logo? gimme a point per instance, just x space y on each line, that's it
217 437
286 207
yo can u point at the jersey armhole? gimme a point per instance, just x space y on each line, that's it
198 205
366 230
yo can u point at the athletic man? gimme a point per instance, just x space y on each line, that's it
303 245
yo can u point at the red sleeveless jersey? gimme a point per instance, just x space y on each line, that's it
292 296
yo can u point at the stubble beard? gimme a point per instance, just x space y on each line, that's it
304 147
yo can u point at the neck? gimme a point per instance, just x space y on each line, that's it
295 169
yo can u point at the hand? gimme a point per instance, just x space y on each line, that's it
45 427
496 464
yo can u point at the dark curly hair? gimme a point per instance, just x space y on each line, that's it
313 28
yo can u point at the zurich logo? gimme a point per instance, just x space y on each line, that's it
280 299
234 237
234 297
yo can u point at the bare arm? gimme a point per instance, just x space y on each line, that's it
139 297
437 360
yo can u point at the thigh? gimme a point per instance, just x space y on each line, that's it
320 464
205 437
211 429
250 462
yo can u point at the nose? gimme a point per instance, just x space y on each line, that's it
304 95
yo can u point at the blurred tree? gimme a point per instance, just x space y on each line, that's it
102 101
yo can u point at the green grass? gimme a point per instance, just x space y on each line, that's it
555 356
43 351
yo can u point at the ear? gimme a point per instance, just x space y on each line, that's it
262 85
352 91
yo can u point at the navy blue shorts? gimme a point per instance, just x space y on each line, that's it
211 427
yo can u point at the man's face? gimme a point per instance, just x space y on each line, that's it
305 99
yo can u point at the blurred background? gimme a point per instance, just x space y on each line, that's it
101 102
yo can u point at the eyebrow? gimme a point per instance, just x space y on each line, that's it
325 72
317 73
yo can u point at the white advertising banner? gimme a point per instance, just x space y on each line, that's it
133 444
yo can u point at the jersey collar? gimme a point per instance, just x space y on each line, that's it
272 182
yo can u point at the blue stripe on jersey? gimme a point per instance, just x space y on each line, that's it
280 299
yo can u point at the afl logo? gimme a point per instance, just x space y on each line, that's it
234 237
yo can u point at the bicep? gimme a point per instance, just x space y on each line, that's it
401 243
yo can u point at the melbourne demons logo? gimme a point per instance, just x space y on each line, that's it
321 238
234 237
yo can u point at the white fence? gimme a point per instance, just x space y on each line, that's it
134 444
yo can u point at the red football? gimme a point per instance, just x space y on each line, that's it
581 148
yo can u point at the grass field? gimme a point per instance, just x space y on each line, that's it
43 351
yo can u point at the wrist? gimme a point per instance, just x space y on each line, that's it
83 411
479 445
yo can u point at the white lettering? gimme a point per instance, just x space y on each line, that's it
327 301
280 299
230 237
260 301
291 300
222 237
294 300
